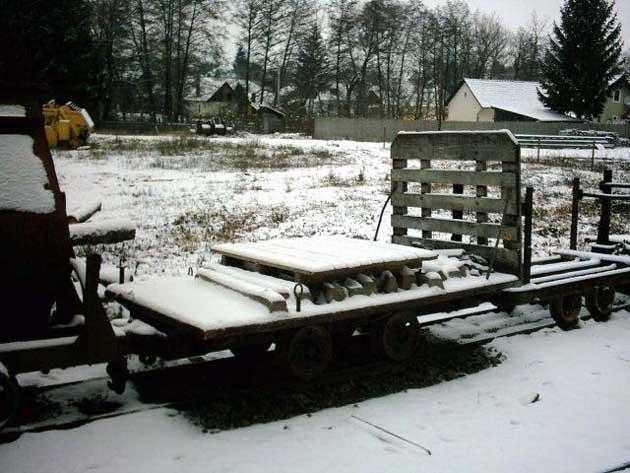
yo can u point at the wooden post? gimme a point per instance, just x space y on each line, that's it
603 230
384 136
575 212
538 152
398 187
593 156
457 214
425 188
482 191
527 244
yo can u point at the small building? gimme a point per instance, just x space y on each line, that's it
227 98
272 119
617 107
485 100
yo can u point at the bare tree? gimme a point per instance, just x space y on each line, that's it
248 18
272 12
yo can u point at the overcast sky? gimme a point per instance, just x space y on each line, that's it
516 12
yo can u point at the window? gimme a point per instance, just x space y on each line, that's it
617 95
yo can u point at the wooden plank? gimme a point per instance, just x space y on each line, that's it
453 202
481 192
425 188
488 230
468 178
399 187
458 214
506 260
456 152
496 145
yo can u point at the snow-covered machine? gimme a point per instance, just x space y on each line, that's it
67 126
452 248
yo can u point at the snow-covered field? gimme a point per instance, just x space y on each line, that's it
558 401
262 187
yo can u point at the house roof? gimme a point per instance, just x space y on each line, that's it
623 77
518 97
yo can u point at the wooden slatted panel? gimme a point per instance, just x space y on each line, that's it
479 149
467 178
488 230
454 202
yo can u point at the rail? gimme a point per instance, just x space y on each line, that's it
606 198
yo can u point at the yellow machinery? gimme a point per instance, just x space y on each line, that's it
67 126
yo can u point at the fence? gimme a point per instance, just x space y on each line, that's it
385 130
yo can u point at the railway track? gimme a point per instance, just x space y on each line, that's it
187 383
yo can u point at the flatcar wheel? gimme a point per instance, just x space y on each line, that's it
309 352
399 336
565 310
9 397
251 351
599 302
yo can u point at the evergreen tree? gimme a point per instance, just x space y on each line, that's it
240 63
311 73
582 58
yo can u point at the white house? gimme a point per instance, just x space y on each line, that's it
484 100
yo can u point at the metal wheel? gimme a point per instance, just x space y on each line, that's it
399 336
309 352
565 310
9 397
251 351
599 302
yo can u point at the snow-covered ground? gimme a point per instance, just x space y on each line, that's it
557 403
253 188
262 187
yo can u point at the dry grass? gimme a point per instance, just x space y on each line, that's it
190 152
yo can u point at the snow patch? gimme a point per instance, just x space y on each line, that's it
11 110
23 178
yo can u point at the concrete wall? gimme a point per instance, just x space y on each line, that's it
385 130
463 107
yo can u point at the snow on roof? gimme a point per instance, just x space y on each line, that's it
11 110
23 177
618 77
519 97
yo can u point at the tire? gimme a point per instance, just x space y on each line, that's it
565 310
309 352
599 302
9 397
250 352
398 336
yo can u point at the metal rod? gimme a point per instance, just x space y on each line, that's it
527 245
604 196
603 230
575 213
618 185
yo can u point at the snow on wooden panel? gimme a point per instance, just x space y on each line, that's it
11 110
194 301
212 308
323 254
23 177
105 231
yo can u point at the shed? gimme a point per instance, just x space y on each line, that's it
485 100
271 118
